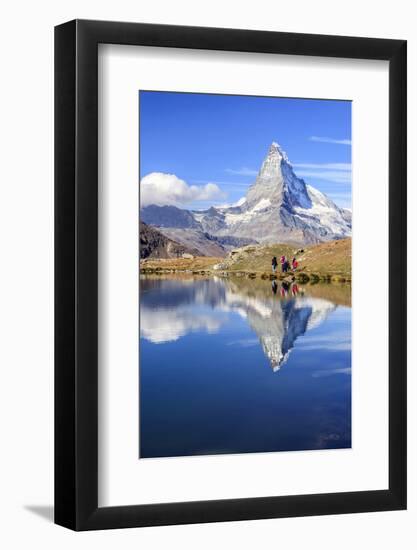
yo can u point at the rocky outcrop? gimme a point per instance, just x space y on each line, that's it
203 243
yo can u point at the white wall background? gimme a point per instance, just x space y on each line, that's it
26 300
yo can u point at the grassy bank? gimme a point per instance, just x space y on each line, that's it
330 261
198 263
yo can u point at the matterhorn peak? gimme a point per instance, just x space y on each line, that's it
277 150
271 166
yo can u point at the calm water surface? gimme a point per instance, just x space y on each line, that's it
237 366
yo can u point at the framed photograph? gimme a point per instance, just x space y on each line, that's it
230 244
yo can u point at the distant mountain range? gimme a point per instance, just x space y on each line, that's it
278 208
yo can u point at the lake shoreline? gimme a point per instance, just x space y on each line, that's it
301 277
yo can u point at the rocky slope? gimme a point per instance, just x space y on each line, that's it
205 244
154 245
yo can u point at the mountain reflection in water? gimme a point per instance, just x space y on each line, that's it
241 366
172 308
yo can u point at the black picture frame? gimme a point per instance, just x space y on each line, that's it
76 272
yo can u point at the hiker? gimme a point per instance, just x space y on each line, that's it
294 289
285 266
274 264
294 264
274 286
283 260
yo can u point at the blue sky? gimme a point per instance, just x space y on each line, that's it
214 145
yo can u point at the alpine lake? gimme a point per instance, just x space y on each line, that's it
239 365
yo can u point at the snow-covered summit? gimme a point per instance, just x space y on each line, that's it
277 181
276 148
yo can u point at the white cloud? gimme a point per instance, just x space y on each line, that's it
331 140
167 189
242 171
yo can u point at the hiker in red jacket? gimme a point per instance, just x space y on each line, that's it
294 264
283 261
